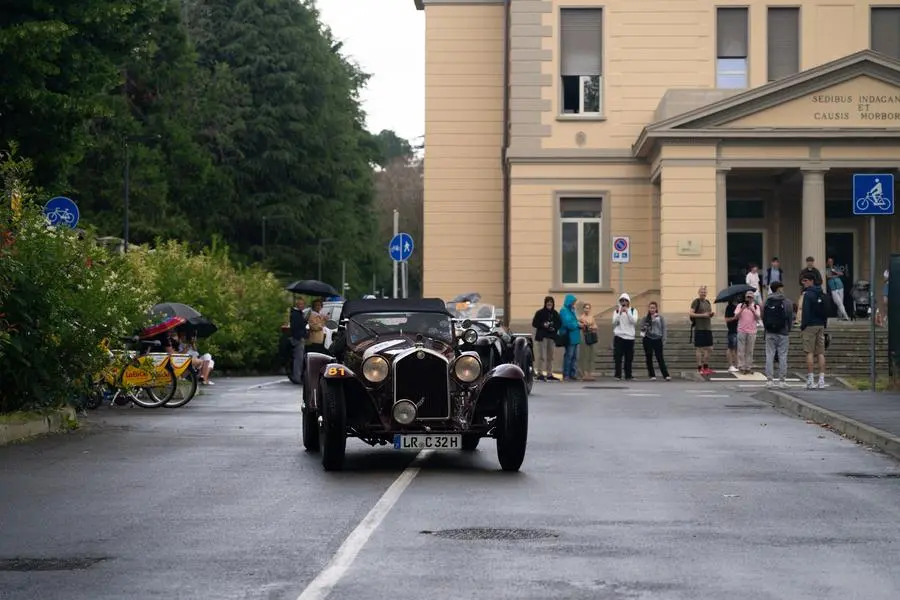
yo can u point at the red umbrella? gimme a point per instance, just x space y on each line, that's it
163 327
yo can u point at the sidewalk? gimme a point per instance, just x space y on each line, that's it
872 419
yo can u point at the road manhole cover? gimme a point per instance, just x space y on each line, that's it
491 533
871 475
22 564
604 387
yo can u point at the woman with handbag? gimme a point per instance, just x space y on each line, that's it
588 351
654 333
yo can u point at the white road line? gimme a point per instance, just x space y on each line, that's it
644 395
715 396
340 563
268 383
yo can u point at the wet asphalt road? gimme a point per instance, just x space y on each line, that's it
660 490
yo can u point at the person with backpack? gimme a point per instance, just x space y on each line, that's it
778 317
748 315
813 321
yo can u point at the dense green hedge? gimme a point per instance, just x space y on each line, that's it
61 293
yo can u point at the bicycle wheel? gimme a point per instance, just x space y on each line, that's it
158 395
186 389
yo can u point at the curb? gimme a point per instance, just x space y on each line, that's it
58 420
884 441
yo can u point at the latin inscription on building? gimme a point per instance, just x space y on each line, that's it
877 108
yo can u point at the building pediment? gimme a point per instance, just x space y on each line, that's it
858 95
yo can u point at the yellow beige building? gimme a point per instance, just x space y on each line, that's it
710 134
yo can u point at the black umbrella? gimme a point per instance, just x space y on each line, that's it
200 327
312 287
735 290
175 309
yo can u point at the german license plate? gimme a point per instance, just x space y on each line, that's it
427 442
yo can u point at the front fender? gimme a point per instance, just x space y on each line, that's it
494 387
315 367
521 350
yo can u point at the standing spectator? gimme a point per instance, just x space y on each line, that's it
778 316
731 323
589 343
811 271
814 319
748 315
887 282
546 323
572 329
299 334
835 282
701 322
773 274
624 320
753 281
654 333
316 320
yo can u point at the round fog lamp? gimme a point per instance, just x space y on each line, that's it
470 336
467 369
404 412
375 369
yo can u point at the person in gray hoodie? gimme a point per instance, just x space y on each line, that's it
777 318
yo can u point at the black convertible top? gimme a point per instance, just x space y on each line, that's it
387 305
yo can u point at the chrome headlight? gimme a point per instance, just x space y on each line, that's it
375 369
467 369
404 412
470 336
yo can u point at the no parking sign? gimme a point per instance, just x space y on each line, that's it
621 249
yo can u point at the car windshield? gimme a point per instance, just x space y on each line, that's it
434 325
471 310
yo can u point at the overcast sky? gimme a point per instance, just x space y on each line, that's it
387 39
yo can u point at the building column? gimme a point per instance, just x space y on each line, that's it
813 216
721 229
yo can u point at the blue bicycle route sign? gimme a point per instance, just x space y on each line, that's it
61 212
401 247
873 194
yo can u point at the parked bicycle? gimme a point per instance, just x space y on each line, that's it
148 380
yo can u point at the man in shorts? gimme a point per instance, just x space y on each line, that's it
812 327
701 317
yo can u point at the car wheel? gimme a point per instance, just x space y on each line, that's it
512 427
470 441
332 430
310 430
529 374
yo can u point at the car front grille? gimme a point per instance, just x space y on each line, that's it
417 378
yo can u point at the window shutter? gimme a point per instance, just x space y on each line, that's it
886 31
581 34
731 33
784 42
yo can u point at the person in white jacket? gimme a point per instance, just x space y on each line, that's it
624 320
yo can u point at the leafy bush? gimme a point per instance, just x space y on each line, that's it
60 294
246 303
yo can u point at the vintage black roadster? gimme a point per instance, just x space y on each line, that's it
494 343
398 377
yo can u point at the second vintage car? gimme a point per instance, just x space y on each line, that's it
397 377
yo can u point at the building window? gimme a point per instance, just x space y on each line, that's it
581 239
885 30
581 62
784 42
731 48
745 209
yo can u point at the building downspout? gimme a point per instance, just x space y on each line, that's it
505 168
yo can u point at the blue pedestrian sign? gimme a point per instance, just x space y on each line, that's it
401 247
61 212
873 194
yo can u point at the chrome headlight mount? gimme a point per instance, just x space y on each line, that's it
467 368
375 369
